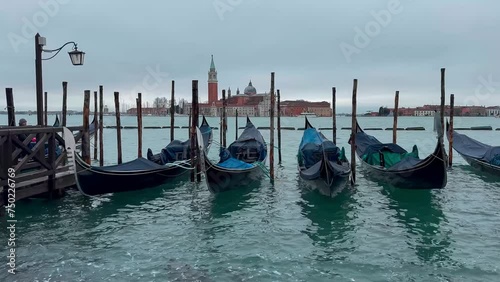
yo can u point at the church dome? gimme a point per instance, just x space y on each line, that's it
250 90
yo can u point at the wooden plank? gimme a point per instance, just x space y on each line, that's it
38 186
25 178
35 154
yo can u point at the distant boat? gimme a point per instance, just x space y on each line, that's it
307 114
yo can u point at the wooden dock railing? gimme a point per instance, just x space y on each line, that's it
39 165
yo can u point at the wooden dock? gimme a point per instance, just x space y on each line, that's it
40 167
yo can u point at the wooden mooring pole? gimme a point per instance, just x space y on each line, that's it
118 127
11 110
224 118
189 122
85 136
450 138
95 129
45 109
220 127
139 125
334 115
271 131
443 97
395 123
194 123
101 126
172 112
279 126
353 132
65 102
236 126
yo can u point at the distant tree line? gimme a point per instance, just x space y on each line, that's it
383 111
164 103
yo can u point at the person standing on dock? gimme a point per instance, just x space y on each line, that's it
22 122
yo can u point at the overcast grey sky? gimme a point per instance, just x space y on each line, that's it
133 46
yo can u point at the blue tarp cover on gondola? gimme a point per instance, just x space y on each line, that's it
312 147
475 149
181 150
139 164
233 163
250 146
176 151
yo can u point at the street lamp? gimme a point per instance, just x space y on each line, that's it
76 57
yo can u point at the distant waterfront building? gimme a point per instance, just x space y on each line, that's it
493 111
252 103
295 108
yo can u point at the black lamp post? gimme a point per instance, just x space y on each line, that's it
76 59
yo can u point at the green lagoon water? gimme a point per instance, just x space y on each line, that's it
182 232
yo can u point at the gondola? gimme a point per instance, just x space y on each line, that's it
92 130
480 156
239 164
134 175
322 165
389 163
56 122
180 150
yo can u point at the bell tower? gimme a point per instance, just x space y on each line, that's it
212 84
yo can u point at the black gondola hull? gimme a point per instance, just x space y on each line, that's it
470 149
92 182
430 173
326 187
221 179
329 182
482 166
